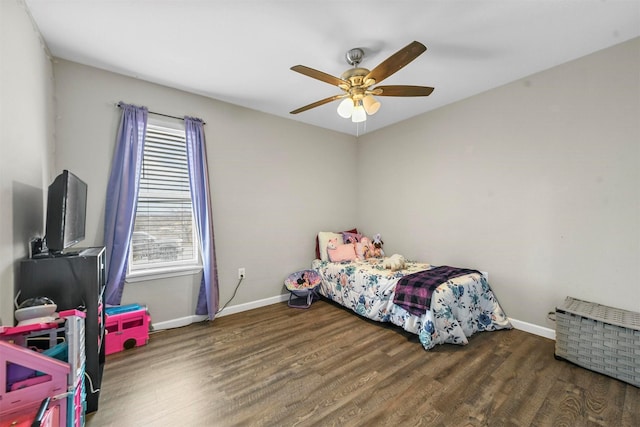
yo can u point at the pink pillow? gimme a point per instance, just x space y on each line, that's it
342 253
355 230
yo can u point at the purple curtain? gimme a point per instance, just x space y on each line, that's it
200 197
122 197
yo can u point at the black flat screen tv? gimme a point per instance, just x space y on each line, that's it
66 212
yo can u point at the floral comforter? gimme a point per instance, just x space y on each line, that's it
460 307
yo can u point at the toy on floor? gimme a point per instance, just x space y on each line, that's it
54 375
126 327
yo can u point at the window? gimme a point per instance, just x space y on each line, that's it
164 238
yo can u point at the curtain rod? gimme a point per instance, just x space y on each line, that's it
163 115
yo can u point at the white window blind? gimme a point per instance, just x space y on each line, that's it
164 232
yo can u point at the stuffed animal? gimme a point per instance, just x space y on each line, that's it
350 237
364 248
338 253
377 246
395 262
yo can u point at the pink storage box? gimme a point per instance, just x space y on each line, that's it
126 330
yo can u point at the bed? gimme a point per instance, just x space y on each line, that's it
459 307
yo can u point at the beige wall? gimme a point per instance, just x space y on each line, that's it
26 141
536 182
275 182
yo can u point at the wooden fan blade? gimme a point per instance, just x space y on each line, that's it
319 75
318 103
396 61
404 90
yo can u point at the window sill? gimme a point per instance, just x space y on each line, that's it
162 273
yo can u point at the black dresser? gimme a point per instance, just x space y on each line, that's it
74 281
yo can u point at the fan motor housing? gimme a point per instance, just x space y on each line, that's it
355 76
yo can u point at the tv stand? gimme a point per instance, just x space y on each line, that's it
42 255
55 254
74 281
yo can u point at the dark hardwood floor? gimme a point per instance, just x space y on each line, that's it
279 366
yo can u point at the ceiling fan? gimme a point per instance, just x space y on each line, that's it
356 83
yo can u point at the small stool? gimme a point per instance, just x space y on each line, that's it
303 288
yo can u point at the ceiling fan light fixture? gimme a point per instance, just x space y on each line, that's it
359 115
356 83
371 105
345 108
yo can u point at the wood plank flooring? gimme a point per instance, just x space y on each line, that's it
279 366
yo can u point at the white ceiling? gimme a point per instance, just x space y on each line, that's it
240 51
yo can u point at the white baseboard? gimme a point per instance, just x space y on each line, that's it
534 329
251 305
184 321
177 323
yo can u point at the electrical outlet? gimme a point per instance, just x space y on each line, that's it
241 273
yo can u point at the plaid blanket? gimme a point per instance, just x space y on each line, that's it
413 291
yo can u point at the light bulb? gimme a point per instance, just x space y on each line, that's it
345 108
359 115
371 105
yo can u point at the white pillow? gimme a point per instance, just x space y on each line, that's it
323 240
